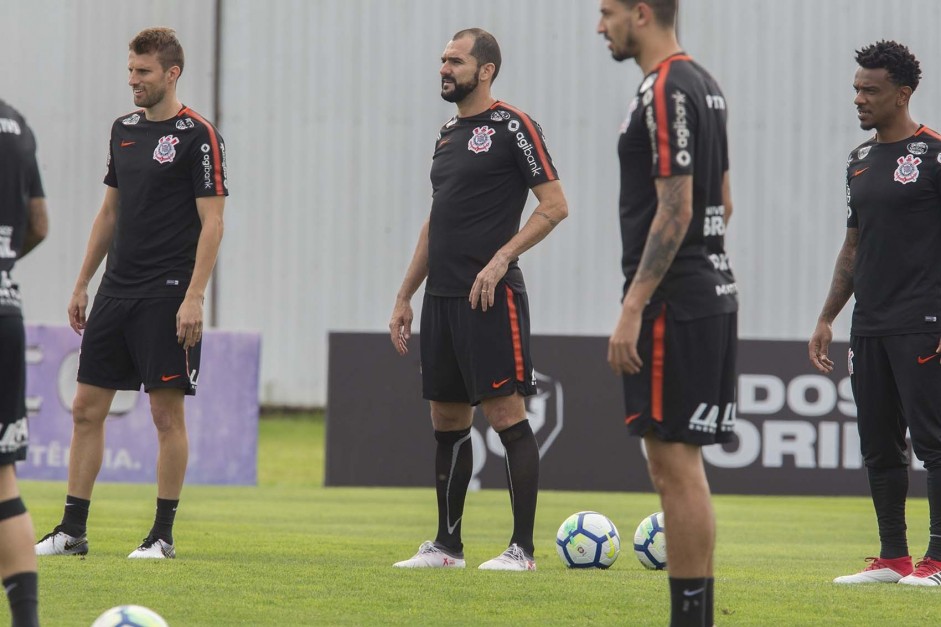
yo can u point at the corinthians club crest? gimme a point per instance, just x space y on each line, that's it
907 172
480 141
165 151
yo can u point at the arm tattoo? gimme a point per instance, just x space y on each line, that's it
667 230
841 286
554 223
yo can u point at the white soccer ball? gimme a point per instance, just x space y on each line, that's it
588 540
650 542
130 616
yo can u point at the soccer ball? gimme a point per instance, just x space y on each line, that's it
650 542
588 540
129 616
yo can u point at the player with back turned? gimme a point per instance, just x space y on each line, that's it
891 261
675 340
475 313
23 224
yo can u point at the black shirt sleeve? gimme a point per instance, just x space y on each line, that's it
111 176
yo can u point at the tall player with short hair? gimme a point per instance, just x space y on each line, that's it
891 261
475 314
161 226
675 340
23 224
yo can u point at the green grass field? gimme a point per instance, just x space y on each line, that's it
291 552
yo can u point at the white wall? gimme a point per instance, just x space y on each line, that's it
787 71
65 69
337 108
330 109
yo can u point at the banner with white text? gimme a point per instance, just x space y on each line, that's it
221 420
796 428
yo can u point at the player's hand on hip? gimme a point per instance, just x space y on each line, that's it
78 304
622 346
400 326
189 321
819 347
483 291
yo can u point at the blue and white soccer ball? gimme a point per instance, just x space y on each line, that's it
650 542
130 616
588 540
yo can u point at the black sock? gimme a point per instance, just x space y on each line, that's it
163 520
522 475
889 487
710 601
934 513
23 595
75 518
688 602
454 465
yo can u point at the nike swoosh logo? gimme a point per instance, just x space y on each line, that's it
125 144
499 384
925 360
860 171
692 593
170 378
631 418
611 551
9 588
71 545
447 491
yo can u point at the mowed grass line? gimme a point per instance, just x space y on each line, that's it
290 552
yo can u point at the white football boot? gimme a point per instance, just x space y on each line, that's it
153 548
880 571
61 543
514 558
431 556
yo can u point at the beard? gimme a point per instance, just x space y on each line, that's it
628 48
869 123
150 97
460 90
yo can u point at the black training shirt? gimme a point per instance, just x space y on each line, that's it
19 182
481 173
893 194
676 125
160 169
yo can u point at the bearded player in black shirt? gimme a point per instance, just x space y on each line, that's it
161 226
475 313
891 262
23 224
675 340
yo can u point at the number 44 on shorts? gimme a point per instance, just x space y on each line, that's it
706 418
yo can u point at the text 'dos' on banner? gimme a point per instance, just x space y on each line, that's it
795 428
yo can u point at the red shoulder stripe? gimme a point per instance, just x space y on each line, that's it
214 146
660 111
537 140
927 131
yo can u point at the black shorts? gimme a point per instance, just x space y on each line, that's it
896 382
14 433
128 342
468 355
685 391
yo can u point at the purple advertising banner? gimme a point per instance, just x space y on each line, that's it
795 428
221 420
